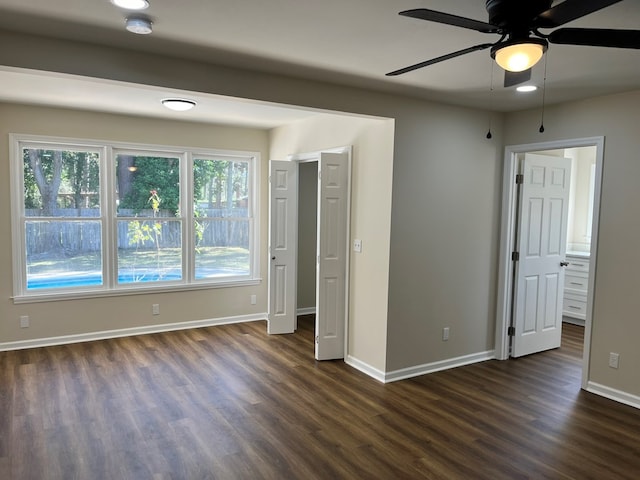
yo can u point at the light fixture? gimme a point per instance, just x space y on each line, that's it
526 88
139 25
178 104
519 55
131 4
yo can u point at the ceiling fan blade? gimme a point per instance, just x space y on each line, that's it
570 10
448 19
439 59
516 78
597 37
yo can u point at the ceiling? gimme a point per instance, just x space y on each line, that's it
353 43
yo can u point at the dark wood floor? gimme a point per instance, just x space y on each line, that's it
230 402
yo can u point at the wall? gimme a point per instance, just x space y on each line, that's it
371 175
73 317
445 236
616 327
307 233
441 259
582 160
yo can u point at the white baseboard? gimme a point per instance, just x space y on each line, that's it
403 374
418 370
126 332
613 394
306 311
364 368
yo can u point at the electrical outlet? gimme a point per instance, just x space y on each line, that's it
24 321
155 309
254 299
445 334
357 246
614 360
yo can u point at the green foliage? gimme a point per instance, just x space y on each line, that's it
141 232
153 173
220 183
79 179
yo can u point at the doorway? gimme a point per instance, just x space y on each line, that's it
509 235
307 238
318 237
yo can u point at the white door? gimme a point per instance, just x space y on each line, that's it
333 214
541 243
283 215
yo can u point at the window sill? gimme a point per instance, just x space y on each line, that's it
79 295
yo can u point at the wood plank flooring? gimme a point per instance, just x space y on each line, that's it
231 402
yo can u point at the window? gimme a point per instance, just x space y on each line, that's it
221 217
62 222
104 218
149 226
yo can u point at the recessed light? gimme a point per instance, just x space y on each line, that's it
139 25
178 104
526 88
131 4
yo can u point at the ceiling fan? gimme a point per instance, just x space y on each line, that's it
521 44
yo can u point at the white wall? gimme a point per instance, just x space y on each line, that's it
616 324
583 159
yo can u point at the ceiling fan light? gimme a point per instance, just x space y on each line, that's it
178 104
518 57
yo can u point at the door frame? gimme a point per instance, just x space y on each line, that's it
507 236
315 156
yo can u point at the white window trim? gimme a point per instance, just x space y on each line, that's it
108 151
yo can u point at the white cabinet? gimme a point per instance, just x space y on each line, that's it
576 285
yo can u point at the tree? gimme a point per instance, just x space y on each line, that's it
124 174
48 177
81 172
153 173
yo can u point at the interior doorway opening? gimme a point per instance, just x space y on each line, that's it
309 240
585 216
307 246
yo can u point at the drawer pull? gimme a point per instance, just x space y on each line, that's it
576 283
579 264
574 308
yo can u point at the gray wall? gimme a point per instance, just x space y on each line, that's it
445 190
445 198
307 233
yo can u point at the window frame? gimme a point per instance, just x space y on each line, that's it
108 151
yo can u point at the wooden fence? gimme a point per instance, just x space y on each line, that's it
215 227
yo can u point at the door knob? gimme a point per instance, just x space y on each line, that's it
273 258
564 264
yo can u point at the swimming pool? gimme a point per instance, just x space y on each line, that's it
93 279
